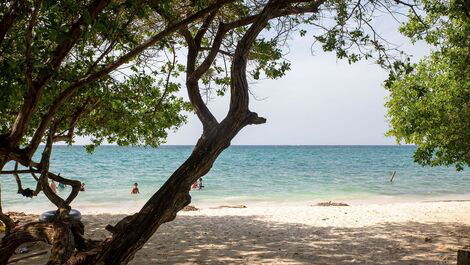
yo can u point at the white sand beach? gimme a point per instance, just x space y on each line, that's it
399 233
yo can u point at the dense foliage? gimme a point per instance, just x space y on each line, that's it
429 103
133 106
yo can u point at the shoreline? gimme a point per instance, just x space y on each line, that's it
132 206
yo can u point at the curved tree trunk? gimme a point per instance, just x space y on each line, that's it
163 206
131 233
174 194
59 235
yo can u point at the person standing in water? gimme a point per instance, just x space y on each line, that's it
135 189
194 186
200 184
53 187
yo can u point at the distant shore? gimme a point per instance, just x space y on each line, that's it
394 233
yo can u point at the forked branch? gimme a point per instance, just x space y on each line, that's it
239 99
58 234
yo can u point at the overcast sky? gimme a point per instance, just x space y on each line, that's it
321 101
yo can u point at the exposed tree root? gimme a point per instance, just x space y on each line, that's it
58 234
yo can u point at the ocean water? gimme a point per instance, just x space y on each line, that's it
246 174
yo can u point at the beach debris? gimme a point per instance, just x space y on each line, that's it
393 176
427 239
23 250
230 206
330 203
15 214
190 208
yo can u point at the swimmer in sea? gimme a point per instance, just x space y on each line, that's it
135 189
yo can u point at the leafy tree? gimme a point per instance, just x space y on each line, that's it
107 69
429 103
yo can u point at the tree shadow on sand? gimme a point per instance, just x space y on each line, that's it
251 240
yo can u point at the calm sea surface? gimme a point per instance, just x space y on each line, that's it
247 174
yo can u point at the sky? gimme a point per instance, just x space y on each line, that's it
321 101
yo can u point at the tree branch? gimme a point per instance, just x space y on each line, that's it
287 11
7 172
239 86
206 64
34 94
253 118
86 108
239 99
111 45
73 88
204 114
167 82
192 85
7 21
219 51
75 184
18 180
58 234
63 207
204 27
28 40
193 74
5 219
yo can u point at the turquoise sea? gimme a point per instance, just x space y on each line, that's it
247 174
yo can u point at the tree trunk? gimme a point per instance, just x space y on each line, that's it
131 233
59 235
164 205
463 257
174 194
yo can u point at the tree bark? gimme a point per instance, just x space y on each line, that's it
5 219
174 194
163 206
7 20
59 235
463 257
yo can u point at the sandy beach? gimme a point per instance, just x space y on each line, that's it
398 233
